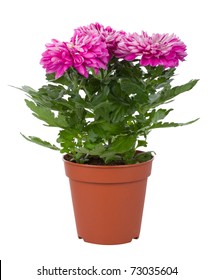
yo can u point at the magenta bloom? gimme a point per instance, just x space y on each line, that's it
88 51
57 58
108 35
132 46
165 50
80 53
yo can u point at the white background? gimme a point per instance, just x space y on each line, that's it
36 217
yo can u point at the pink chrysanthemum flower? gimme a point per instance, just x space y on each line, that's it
80 53
132 46
108 35
165 50
57 58
88 51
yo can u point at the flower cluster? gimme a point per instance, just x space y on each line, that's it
92 47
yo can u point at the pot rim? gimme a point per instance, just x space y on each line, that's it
107 166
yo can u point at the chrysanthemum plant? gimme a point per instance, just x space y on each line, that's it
104 91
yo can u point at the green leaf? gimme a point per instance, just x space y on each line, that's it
109 157
52 91
60 121
127 69
131 87
159 114
92 136
40 142
128 156
112 128
103 130
141 143
96 149
147 120
123 144
41 113
95 130
142 157
67 135
100 96
25 89
91 149
28 89
168 94
180 89
82 150
45 114
171 124
92 85
67 139
64 80
118 114
103 110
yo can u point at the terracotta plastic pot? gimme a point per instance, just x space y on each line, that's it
108 201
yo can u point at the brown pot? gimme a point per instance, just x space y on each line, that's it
108 200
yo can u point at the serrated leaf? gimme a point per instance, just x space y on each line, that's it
103 129
168 94
180 89
52 91
41 113
159 114
128 69
103 110
67 139
28 89
113 128
109 157
142 143
64 80
131 87
142 157
91 149
100 97
60 121
93 85
45 114
118 114
129 155
96 149
67 135
123 144
25 89
40 142
92 136
170 124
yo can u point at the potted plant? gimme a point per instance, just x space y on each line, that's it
104 91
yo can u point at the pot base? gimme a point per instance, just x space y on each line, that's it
107 243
